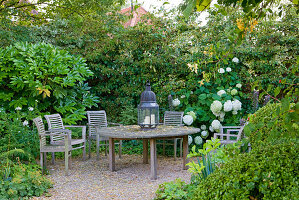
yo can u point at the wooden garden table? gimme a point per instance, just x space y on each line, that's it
134 132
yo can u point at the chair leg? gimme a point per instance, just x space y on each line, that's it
174 147
41 162
45 160
70 160
89 147
98 146
106 147
84 151
119 148
164 147
181 147
53 158
66 157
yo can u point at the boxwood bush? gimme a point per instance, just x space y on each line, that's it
267 172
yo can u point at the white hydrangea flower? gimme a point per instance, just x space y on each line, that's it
216 106
192 113
235 112
228 106
18 108
203 127
191 92
188 119
234 92
198 140
30 108
211 129
216 125
221 70
204 134
239 85
25 123
235 60
176 102
190 140
237 105
183 96
228 69
221 92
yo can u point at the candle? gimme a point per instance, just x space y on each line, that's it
146 121
152 119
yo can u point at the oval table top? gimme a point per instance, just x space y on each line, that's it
135 132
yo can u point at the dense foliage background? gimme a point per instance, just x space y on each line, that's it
80 58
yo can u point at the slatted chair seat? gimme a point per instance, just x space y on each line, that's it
173 118
99 119
55 122
63 146
229 134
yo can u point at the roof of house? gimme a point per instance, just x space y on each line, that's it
137 15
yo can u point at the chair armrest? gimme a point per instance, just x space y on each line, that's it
78 126
53 134
59 130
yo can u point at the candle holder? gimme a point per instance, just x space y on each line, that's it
148 109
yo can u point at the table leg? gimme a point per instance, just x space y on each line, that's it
185 151
153 159
145 151
111 155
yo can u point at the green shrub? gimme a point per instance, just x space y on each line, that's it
267 172
18 181
273 121
177 189
41 73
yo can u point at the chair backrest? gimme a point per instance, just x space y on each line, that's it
55 122
229 134
96 118
41 130
173 118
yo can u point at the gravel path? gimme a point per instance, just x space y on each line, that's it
92 179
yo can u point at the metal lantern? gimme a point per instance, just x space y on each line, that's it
148 109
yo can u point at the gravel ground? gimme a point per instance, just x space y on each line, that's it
92 179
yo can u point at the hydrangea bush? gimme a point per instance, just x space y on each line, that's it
213 98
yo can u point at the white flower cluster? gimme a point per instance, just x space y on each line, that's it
30 108
216 107
198 140
204 134
228 106
234 92
190 140
236 60
216 125
192 113
176 102
25 123
203 127
188 120
221 92
18 108
237 105
222 71
239 85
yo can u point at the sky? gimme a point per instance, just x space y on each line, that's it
150 5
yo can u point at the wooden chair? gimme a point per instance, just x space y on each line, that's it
55 122
99 119
229 134
62 145
173 118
